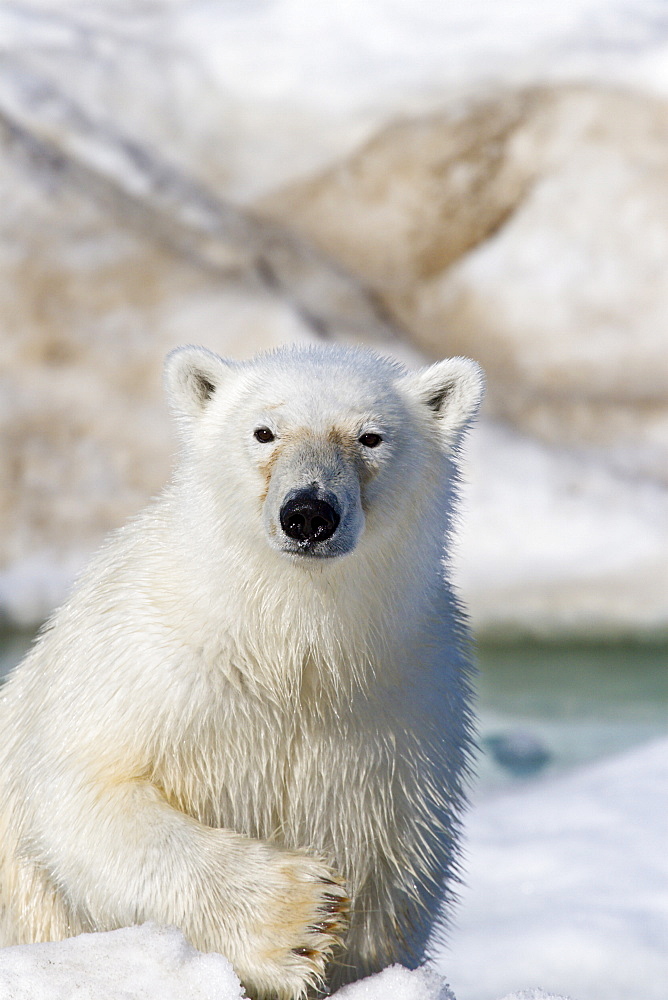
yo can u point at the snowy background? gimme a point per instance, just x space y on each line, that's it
484 178
431 178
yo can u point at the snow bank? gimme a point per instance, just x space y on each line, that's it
310 81
563 544
567 886
134 963
397 983
157 963
256 94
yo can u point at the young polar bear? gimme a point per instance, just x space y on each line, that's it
251 719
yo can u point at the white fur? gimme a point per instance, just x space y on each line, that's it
234 738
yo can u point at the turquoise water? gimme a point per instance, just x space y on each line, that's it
552 707
542 708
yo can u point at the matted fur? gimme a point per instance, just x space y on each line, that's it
242 740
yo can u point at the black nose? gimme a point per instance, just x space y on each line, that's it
306 518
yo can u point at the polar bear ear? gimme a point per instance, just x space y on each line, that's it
193 375
451 391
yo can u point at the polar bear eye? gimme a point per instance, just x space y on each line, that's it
263 434
370 440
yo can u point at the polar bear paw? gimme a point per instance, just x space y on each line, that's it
304 922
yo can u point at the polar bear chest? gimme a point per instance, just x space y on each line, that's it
307 776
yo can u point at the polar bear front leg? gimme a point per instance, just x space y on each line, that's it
122 855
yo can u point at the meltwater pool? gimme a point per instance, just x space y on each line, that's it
544 708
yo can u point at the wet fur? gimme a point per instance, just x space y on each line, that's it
266 750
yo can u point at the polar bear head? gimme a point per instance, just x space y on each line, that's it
310 449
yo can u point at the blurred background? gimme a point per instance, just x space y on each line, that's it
429 178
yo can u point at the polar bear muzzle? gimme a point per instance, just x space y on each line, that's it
307 518
312 508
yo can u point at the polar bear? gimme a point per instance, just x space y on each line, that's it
252 718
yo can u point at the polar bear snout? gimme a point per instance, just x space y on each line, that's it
312 507
307 518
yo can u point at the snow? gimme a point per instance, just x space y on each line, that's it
156 963
392 51
533 995
567 885
134 963
305 83
556 538
294 84
560 539
397 983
